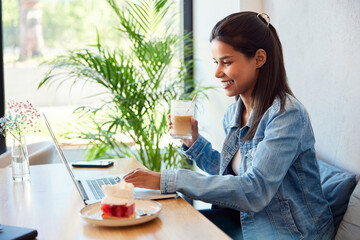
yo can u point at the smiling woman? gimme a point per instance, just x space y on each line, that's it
264 183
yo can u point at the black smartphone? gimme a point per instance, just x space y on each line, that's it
93 164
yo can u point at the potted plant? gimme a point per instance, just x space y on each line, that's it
139 81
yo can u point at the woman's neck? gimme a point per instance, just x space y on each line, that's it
245 114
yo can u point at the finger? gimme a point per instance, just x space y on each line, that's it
193 121
137 182
169 122
128 178
127 175
194 124
131 174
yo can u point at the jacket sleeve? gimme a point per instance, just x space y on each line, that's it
253 190
202 153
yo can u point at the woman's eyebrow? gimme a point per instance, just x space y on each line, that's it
225 57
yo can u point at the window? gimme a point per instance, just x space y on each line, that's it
37 30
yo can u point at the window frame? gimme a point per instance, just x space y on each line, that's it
2 83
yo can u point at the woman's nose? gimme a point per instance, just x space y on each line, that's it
218 72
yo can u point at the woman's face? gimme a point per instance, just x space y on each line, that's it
237 73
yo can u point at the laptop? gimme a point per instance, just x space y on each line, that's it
90 189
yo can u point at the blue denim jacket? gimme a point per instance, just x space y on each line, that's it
277 191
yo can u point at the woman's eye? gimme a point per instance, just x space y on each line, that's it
216 62
227 63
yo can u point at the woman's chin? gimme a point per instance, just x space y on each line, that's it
231 94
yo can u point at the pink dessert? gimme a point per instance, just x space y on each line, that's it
118 200
121 211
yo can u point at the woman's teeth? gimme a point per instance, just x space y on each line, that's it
227 83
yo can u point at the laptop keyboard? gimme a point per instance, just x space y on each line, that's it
95 185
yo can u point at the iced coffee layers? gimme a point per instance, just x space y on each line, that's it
118 200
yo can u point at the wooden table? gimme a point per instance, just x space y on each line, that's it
50 203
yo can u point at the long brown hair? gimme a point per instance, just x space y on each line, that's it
247 32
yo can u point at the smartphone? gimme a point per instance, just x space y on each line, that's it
93 164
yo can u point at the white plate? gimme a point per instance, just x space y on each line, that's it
92 214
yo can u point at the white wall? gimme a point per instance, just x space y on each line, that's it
321 49
321 46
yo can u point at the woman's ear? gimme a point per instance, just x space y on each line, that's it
260 58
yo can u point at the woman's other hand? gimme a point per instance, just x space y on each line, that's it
144 178
195 131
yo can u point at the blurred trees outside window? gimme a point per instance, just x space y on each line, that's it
31 40
34 28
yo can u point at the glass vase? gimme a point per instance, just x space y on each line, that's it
20 160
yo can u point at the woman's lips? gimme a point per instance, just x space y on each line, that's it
227 84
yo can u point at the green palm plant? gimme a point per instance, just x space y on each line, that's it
138 79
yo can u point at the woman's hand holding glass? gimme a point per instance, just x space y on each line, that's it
145 178
195 132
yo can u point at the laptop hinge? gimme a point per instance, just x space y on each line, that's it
82 191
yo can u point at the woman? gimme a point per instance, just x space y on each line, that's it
266 179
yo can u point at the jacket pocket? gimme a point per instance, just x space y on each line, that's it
248 158
249 152
286 212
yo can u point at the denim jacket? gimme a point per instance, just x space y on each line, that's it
278 190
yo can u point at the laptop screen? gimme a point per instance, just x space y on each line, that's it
62 156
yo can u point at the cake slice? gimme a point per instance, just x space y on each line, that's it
118 200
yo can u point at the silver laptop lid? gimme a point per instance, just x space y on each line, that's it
62 156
